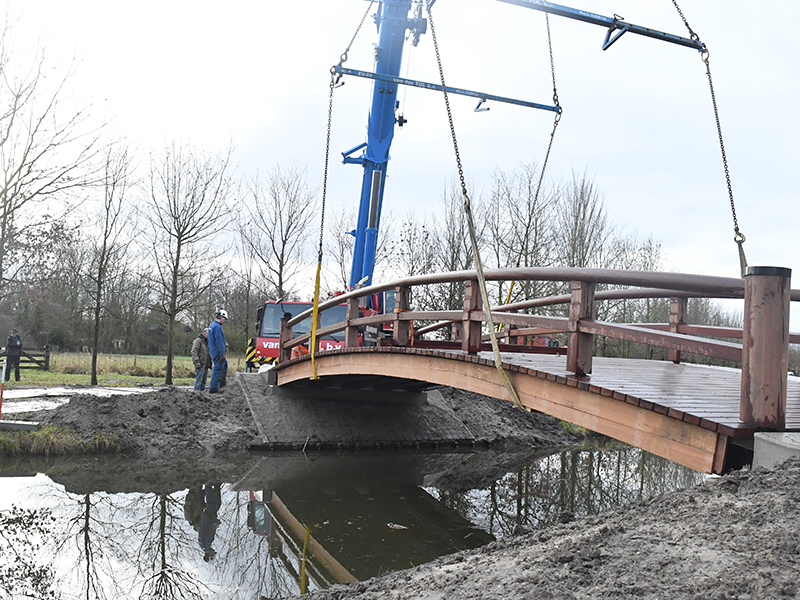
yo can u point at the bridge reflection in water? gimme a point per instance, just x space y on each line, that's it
124 527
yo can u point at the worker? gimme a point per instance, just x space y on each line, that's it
201 360
216 349
13 352
298 351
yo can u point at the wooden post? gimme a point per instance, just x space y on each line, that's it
677 317
401 331
351 332
286 334
765 356
456 331
471 330
579 345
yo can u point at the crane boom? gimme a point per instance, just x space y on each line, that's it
393 18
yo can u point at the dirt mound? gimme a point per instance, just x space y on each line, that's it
173 420
734 537
168 420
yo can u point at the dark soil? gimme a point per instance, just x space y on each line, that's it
173 420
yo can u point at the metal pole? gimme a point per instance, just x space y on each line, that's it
3 385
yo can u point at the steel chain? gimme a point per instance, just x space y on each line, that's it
704 54
692 34
557 118
471 226
332 86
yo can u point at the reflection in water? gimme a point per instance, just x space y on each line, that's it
280 524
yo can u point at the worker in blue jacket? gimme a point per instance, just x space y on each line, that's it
216 349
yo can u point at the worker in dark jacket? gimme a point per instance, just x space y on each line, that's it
13 352
201 360
216 348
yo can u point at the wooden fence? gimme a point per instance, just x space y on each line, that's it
37 358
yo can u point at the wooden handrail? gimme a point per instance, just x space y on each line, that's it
658 285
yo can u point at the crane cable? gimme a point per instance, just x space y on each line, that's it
471 226
704 54
549 145
332 86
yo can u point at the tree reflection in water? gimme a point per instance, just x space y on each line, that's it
153 544
568 484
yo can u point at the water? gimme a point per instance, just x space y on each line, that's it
272 526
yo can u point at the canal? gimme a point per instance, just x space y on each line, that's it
252 525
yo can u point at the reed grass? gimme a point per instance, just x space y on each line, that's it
53 441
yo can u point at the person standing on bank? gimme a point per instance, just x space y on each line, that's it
216 348
13 353
200 360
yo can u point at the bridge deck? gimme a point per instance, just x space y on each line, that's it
698 394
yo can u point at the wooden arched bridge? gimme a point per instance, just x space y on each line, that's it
703 417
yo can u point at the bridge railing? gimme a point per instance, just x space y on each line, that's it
765 333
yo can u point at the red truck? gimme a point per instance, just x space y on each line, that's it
263 349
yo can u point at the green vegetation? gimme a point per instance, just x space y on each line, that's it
121 370
51 441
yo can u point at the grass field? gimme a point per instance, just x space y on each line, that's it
74 368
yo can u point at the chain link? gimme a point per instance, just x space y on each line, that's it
332 86
343 57
692 34
704 54
471 226
449 112
557 118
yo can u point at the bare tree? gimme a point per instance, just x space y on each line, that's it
338 245
108 243
583 228
519 224
281 212
188 195
46 146
453 247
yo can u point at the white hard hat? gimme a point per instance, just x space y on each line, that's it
222 313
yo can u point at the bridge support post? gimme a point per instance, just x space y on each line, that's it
401 333
677 317
350 332
471 330
285 335
580 345
765 356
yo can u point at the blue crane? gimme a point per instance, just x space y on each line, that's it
393 18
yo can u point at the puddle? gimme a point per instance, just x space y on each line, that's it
246 526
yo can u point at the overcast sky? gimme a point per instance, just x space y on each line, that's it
637 118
